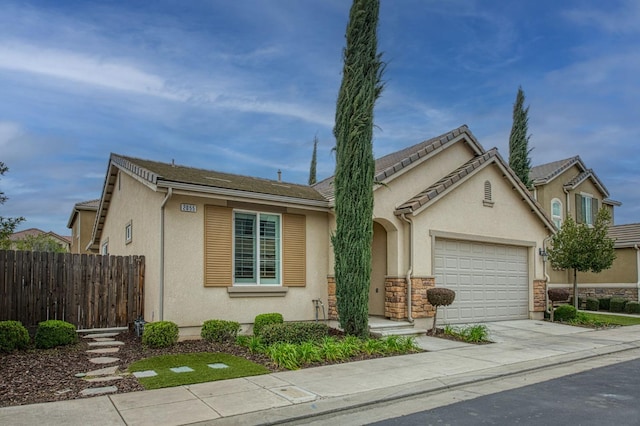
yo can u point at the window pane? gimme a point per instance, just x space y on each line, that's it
245 237
556 209
269 248
586 209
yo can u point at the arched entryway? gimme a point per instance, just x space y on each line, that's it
378 270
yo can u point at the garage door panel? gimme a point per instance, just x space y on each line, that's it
490 281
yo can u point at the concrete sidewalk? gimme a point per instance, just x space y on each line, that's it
519 346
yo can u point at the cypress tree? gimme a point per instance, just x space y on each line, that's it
314 160
355 166
519 151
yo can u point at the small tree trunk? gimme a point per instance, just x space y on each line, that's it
435 314
575 288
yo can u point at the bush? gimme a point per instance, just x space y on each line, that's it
565 313
293 332
605 303
54 333
220 331
593 304
580 301
616 304
632 308
440 296
160 334
558 294
265 319
13 335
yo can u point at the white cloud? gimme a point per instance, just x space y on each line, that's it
92 70
622 20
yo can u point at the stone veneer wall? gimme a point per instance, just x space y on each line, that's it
627 293
539 296
395 303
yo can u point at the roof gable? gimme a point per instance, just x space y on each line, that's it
393 164
545 173
439 189
625 235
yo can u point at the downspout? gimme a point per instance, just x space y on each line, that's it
635 246
410 270
546 276
161 292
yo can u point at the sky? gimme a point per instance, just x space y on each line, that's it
244 86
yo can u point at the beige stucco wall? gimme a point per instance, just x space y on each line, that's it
135 202
81 230
623 271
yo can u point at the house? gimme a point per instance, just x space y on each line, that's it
217 245
62 241
567 188
83 215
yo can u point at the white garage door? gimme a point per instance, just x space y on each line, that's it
490 280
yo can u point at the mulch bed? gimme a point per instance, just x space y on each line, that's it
36 375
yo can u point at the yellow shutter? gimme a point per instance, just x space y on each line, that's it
294 230
218 246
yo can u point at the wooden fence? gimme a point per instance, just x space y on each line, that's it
89 291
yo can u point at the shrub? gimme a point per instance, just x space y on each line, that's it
13 335
160 334
54 333
293 332
604 303
220 331
565 313
632 308
265 319
616 304
593 304
440 296
580 301
558 294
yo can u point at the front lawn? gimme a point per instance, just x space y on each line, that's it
611 319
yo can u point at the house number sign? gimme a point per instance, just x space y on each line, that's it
191 208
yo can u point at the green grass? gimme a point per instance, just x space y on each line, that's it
238 367
478 333
611 319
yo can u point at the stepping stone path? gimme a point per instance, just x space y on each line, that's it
101 344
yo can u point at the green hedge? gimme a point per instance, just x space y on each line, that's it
220 331
160 334
632 308
593 304
54 333
13 335
617 304
262 320
294 332
605 303
564 313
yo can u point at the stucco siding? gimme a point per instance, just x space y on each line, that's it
138 204
189 303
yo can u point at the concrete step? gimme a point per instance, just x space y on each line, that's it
400 332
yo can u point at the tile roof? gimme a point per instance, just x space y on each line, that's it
625 235
156 172
543 173
391 164
88 205
34 232
445 183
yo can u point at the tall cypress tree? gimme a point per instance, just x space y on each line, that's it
519 151
355 166
314 161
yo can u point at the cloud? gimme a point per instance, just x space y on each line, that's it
617 20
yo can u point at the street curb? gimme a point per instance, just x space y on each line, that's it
335 405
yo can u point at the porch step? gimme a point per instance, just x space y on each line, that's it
383 327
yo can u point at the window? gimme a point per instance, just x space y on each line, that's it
586 209
556 212
104 250
256 248
128 232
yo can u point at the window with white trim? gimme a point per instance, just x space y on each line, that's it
256 246
556 212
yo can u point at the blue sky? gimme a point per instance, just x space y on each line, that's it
244 86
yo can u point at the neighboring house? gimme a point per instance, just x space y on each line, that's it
567 188
446 213
81 222
63 241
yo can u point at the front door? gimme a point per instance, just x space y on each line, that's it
378 270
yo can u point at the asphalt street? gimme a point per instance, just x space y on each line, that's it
602 396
